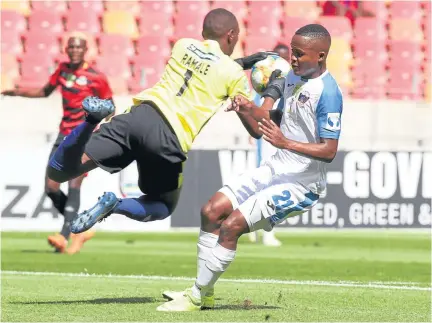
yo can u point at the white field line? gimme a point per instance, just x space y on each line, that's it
375 284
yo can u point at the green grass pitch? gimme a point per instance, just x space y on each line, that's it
316 276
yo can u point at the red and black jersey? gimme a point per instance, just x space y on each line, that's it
76 85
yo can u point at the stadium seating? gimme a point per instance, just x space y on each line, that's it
43 21
405 29
291 24
83 20
150 7
339 27
57 6
121 45
370 28
304 9
37 42
94 7
238 8
118 85
22 7
9 65
398 35
405 9
7 82
114 66
35 70
121 23
156 23
153 47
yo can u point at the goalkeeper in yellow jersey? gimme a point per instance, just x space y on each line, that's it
158 130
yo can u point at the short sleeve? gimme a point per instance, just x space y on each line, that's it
104 90
239 84
53 80
329 113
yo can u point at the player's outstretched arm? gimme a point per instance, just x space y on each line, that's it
247 62
31 93
325 150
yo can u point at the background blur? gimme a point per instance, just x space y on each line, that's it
381 58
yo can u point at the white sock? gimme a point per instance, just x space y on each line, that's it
217 262
268 234
206 243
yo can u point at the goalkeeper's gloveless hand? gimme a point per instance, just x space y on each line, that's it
275 86
249 61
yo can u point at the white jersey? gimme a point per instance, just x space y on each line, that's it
312 110
289 184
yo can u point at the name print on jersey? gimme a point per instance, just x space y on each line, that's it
195 64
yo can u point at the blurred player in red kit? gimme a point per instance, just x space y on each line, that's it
77 79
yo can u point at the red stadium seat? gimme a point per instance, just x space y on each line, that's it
12 22
83 20
269 9
35 70
36 43
116 45
291 24
405 29
369 79
9 65
195 8
150 7
11 43
370 28
337 26
378 8
57 6
405 9
129 6
405 53
264 27
94 7
146 74
45 22
188 25
303 9
259 43
115 66
156 23
370 50
404 84
238 8
153 46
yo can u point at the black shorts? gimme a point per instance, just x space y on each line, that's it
57 142
143 135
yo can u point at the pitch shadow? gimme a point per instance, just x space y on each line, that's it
126 300
243 307
39 251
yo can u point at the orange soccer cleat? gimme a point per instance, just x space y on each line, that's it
78 241
58 242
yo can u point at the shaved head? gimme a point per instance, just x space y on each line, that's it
318 36
221 25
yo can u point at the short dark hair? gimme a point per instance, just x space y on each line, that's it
280 46
315 31
218 22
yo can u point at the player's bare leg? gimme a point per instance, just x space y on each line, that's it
218 262
59 199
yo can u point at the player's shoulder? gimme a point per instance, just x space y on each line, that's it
330 87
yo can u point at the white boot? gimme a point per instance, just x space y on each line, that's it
269 239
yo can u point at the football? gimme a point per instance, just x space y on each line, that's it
262 70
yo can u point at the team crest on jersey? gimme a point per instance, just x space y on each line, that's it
82 80
303 97
333 121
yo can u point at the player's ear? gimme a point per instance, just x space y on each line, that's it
231 35
322 56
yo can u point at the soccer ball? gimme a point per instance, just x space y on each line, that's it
262 70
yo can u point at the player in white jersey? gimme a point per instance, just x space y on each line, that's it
306 133
264 151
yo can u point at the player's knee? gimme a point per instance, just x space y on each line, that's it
233 227
51 187
212 212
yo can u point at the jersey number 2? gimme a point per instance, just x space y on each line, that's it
187 77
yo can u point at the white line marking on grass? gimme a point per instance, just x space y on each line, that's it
376 285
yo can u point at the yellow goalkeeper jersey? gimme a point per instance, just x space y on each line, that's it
197 81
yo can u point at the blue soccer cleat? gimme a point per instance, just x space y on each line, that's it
98 109
103 208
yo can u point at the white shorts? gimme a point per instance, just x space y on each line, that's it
264 201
